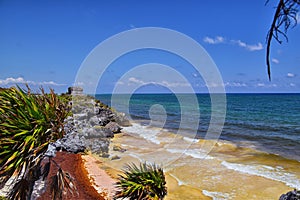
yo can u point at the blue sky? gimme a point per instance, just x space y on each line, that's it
44 43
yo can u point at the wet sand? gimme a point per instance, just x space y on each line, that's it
227 172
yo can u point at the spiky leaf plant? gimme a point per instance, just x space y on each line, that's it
143 182
28 123
62 182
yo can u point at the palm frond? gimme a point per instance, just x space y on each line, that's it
146 181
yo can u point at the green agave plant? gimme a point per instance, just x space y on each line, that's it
28 123
143 182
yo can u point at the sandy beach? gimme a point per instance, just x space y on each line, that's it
100 179
229 172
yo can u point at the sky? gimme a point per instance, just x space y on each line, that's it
46 43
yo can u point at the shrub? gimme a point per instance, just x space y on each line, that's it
28 123
144 182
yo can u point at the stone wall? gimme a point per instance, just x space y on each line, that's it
75 90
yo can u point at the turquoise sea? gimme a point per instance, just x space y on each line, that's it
256 155
267 122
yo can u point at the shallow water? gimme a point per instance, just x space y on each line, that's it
257 155
228 171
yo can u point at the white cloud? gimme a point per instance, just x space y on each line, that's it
220 40
163 82
11 80
240 43
20 80
228 84
50 83
273 85
290 75
235 84
260 85
249 47
175 84
120 83
216 40
255 47
135 80
292 84
274 60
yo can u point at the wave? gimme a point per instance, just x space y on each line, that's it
191 140
144 132
179 182
216 195
195 153
277 174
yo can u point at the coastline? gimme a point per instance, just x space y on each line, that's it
228 172
260 176
99 178
175 189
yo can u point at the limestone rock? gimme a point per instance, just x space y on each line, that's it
114 127
94 121
118 148
115 157
122 120
291 195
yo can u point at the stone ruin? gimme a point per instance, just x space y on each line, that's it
75 90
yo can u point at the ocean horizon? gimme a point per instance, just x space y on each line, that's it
264 121
258 147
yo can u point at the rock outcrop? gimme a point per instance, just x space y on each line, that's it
91 127
291 195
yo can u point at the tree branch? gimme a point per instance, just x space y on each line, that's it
285 15
270 36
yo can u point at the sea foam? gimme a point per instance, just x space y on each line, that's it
195 153
216 195
147 133
191 140
179 182
277 174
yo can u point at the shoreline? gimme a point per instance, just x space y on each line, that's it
192 175
103 172
255 172
99 178
176 190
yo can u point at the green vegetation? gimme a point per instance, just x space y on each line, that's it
28 124
144 182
